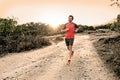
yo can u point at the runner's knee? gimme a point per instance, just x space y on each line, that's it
68 47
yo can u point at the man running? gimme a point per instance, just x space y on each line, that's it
70 29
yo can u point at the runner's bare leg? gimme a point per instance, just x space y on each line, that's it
68 47
71 52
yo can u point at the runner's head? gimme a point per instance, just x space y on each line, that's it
70 18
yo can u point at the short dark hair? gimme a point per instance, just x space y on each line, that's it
71 16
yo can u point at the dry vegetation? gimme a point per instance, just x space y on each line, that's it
108 46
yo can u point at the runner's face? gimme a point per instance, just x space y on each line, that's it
70 19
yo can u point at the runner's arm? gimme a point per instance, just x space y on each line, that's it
76 28
64 30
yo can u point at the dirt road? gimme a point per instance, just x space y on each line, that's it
50 63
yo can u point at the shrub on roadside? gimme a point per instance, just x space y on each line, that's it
17 38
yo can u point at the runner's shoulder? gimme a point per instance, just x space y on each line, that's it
76 26
66 23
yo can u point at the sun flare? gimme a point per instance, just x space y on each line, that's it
54 19
54 22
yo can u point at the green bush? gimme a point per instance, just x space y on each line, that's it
17 38
106 26
7 26
115 26
85 28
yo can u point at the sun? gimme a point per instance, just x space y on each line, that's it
54 19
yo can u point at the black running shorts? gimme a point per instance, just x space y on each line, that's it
69 41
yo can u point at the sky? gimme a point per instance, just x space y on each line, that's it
55 12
